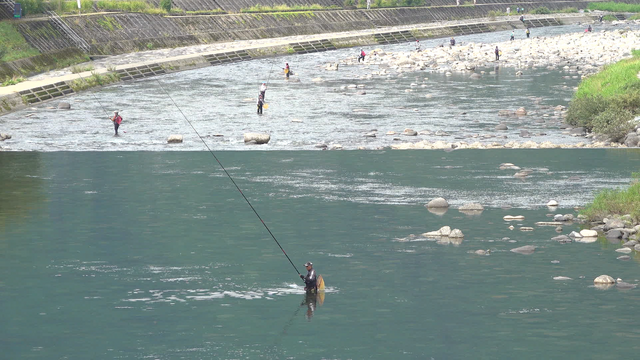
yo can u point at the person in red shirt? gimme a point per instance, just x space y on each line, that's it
117 119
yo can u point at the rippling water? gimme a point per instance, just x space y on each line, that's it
220 103
132 255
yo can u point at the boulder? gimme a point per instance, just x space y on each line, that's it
64 106
174 139
604 279
613 234
501 127
456 233
409 132
613 224
256 138
438 203
4 137
471 206
525 250
631 140
552 203
521 111
588 233
475 76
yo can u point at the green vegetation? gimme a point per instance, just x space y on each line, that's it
283 7
94 80
79 69
13 46
613 18
614 6
109 23
130 6
606 102
540 10
383 3
32 6
14 80
608 203
567 10
165 5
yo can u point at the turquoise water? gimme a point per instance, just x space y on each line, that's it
135 255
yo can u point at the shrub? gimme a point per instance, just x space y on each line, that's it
613 122
3 52
541 10
32 6
615 202
348 3
582 110
165 5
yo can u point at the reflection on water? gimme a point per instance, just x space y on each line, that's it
21 188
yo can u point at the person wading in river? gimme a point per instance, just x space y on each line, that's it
263 90
287 70
260 103
497 53
117 120
311 280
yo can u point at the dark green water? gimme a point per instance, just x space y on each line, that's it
155 255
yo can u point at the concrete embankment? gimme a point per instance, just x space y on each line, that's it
61 83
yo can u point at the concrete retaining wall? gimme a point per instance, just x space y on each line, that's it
116 33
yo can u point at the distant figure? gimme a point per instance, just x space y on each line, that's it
518 10
287 70
497 54
263 90
589 29
601 17
522 18
522 10
513 35
528 32
368 4
508 10
362 55
417 44
457 2
117 120
452 42
310 280
260 104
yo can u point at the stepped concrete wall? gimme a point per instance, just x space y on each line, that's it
116 33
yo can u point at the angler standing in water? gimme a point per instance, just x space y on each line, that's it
263 90
117 120
311 280
362 55
260 103
287 70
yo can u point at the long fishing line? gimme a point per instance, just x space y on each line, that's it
229 175
96 98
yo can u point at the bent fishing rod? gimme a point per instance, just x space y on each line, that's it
229 175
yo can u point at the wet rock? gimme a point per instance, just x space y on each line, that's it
561 278
174 139
4 137
257 138
525 134
526 228
552 203
558 229
521 111
624 250
604 279
577 131
438 203
513 217
501 127
321 146
475 76
624 285
613 234
525 250
64 106
636 247
361 92
613 224
623 257
443 231
588 233
409 132
456 233
575 235
563 239
472 206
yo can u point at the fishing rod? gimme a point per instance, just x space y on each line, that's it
99 103
229 175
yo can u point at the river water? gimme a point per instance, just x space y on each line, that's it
155 254
132 255
219 102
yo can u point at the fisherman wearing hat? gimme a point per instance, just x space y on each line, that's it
117 119
311 279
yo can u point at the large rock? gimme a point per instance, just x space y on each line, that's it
521 111
256 138
631 140
526 250
64 106
174 139
456 233
604 279
588 233
438 203
4 137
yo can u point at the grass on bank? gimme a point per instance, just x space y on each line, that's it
284 7
609 202
605 103
13 46
614 7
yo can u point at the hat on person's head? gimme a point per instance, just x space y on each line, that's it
115 112
309 263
